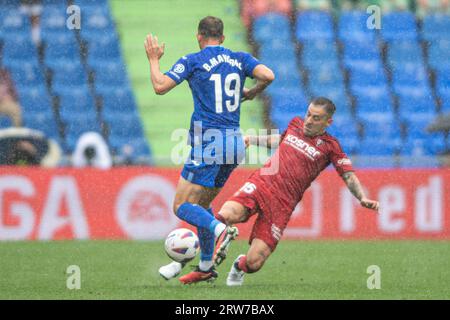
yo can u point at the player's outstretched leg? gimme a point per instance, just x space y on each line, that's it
252 262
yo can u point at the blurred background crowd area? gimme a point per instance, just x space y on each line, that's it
87 86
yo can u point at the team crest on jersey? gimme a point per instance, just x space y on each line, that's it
179 68
319 142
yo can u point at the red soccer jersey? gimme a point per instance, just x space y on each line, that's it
296 164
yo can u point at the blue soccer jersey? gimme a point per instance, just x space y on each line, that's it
216 76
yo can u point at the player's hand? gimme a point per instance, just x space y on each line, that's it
152 48
370 204
248 94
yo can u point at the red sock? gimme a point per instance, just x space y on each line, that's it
242 265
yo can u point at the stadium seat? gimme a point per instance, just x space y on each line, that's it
44 122
97 17
399 26
20 49
344 127
13 20
315 53
29 73
270 26
133 150
415 99
438 56
353 27
106 48
314 25
436 26
374 146
116 99
368 78
404 51
427 145
61 47
78 102
362 55
110 73
35 99
69 74
381 126
53 20
410 74
129 127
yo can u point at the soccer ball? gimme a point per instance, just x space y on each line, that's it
182 245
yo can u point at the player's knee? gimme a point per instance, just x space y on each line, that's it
228 216
255 263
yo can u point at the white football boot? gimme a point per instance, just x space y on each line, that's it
170 270
235 276
223 243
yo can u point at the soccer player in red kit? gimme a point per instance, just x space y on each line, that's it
305 150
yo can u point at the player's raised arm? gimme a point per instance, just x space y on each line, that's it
268 141
264 76
161 83
355 187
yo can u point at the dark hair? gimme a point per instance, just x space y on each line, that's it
210 27
329 106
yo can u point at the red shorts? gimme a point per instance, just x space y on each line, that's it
272 215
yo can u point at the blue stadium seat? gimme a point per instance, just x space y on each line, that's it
438 56
270 26
436 26
13 20
443 77
417 123
353 27
79 123
286 73
362 55
414 99
324 77
399 26
19 50
107 48
35 99
61 90
404 51
128 127
410 74
136 149
110 73
96 18
289 102
315 53
27 73
117 99
269 52
426 145
382 126
61 47
53 19
343 127
370 78
69 74
44 122
78 102
373 146
314 25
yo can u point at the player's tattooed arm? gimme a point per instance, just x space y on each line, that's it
355 187
269 141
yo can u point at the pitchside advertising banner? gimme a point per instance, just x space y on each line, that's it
136 203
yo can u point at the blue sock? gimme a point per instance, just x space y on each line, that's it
197 216
207 242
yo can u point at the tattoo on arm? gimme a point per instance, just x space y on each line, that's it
353 184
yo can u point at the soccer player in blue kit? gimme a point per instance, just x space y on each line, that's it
216 77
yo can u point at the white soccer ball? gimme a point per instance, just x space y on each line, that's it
182 245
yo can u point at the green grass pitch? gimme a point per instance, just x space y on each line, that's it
297 270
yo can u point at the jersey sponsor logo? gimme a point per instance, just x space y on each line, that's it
179 68
276 232
302 146
344 162
222 58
